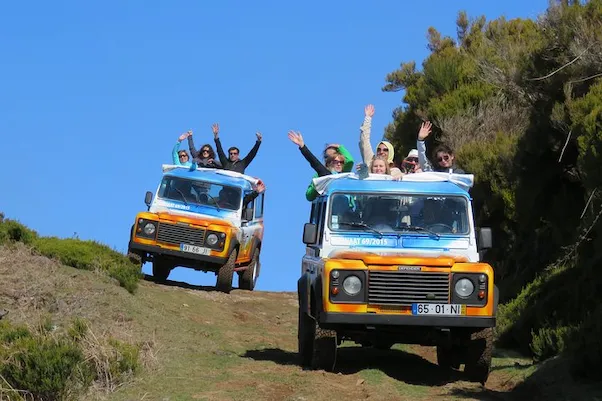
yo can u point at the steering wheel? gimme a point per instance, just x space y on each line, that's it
440 228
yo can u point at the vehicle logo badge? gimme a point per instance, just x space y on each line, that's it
430 295
410 268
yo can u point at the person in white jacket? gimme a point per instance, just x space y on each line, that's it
384 148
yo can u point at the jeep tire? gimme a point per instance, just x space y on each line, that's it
161 269
478 360
324 349
306 331
247 278
226 273
447 357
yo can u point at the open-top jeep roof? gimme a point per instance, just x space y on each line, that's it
214 176
419 183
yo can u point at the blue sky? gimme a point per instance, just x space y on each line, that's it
94 94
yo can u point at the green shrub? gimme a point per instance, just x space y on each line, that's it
91 255
10 333
78 329
550 341
13 231
57 367
85 255
45 367
124 361
586 346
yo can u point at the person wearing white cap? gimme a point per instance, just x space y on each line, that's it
410 164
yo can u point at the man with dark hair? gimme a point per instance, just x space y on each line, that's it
233 162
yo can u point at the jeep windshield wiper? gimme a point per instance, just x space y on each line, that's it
419 228
362 225
183 196
214 201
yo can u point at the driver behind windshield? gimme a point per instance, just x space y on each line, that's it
381 214
228 198
438 215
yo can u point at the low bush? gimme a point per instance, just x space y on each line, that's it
85 255
52 366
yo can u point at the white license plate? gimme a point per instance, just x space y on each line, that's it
199 250
439 309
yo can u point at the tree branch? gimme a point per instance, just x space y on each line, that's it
565 145
561 68
586 78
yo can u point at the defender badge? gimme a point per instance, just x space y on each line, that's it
410 268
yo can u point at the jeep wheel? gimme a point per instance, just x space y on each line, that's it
325 349
247 278
382 344
447 357
306 331
225 274
478 360
161 269
134 258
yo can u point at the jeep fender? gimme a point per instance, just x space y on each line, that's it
317 297
233 244
304 293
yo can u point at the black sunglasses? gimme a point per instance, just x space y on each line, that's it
183 155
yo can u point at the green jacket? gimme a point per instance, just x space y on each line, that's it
311 192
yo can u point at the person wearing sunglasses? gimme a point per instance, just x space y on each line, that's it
411 164
335 163
384 148
180 157
443 154
205 156
233 162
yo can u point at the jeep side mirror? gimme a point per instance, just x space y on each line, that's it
485 238
148 198
310 233
247 214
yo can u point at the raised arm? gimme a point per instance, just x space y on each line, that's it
218 145
176 148
254 194
365 146
249 158
297 139
425 130
193 152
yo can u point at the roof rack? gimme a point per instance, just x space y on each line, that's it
464 181
169 167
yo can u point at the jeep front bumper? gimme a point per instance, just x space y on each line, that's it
375 319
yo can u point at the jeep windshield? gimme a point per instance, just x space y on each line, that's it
391 213
194 192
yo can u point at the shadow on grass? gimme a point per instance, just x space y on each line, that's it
398 365
180 284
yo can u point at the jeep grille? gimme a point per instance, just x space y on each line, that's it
175 234
407 287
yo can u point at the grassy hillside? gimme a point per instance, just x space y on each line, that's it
180 342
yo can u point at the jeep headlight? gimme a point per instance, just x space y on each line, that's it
464 287
149 229
352 285
211 239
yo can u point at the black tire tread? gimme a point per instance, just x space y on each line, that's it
324 349
226 273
